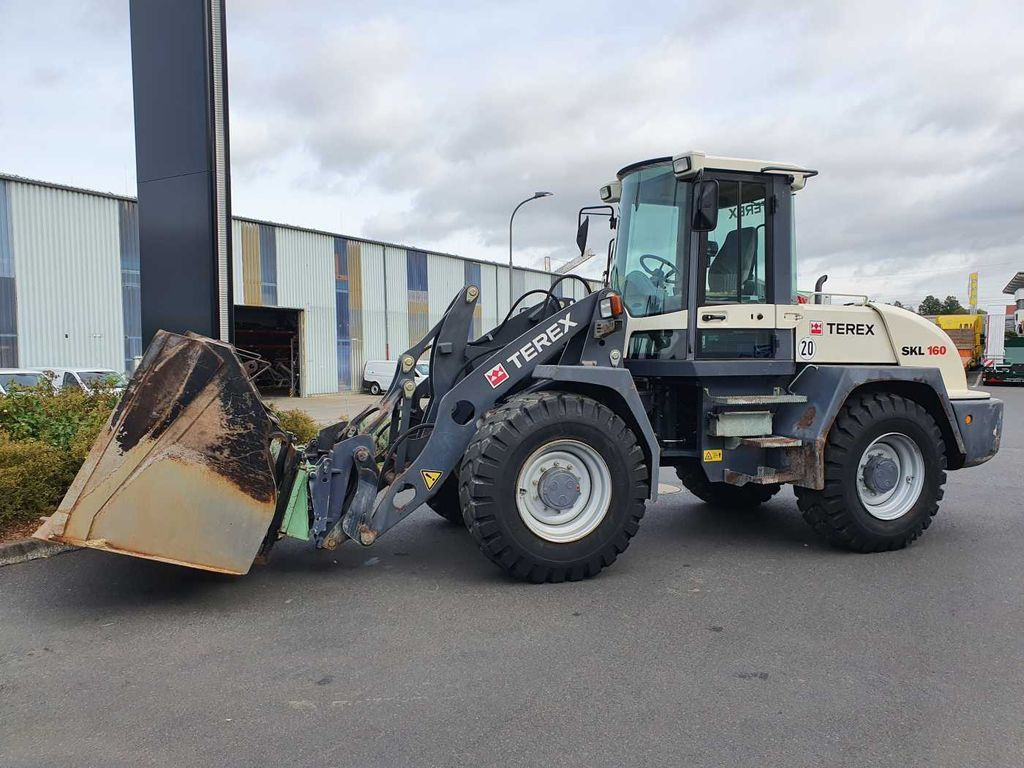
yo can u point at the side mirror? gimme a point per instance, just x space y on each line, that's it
581 234
705 206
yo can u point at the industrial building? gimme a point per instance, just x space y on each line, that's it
316 304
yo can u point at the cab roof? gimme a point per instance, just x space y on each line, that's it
689 164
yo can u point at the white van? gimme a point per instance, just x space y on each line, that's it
20 377
87 378
378 374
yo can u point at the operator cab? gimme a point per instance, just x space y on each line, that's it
697 235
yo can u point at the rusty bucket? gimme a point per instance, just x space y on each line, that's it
184 471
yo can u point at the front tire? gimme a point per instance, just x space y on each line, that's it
724 495
375 388
884 472
553 487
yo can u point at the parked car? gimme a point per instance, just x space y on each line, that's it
19 377
378 374
87 379
1007 373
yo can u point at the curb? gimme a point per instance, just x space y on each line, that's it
23 550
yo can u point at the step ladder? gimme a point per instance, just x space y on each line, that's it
747 420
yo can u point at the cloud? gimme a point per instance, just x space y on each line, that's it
428 124
914 122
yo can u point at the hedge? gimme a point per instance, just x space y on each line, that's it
46 435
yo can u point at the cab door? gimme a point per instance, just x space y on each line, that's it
736 291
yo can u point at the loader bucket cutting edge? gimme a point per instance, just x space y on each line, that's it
183 472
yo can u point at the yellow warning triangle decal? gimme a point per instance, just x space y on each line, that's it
430 476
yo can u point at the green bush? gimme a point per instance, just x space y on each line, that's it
57 419
44 438
299 423
33 479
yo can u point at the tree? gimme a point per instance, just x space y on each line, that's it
952 306
930 306
900 304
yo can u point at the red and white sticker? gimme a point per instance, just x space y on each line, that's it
816 328
496 376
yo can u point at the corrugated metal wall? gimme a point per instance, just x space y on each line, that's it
397 294
250 292
356 314
76 254
304 279
375 318
418 283
489 296
238 282
446 277
343 313
131 284
69 304
8 290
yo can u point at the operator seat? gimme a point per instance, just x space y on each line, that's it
735 257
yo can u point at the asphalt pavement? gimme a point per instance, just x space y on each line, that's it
718 639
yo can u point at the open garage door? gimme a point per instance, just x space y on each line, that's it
273 333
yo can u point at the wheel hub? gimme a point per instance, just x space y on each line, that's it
890 476
563 490
558 488
881 474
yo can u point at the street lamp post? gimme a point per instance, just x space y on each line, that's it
510 219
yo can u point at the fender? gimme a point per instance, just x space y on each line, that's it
616 387
827 388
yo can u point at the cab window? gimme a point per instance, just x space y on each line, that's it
736 254
649 268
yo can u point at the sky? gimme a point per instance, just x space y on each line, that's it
425 123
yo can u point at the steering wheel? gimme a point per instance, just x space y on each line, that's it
659 271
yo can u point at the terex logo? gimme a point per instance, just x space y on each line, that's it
496 376
851 329
531 349
816 328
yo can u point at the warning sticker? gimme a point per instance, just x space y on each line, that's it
430 476
713 454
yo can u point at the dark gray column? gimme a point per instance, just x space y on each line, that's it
179 70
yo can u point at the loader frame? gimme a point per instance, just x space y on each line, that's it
370 473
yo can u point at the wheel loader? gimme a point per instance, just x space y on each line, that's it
545 436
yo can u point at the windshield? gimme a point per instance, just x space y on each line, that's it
20 379
423 369
108 378
649 270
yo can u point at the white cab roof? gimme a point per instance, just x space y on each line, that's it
698 161
688 164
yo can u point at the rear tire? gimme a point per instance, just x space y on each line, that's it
586 462
724 495
850 511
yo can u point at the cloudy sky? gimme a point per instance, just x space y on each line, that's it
424 123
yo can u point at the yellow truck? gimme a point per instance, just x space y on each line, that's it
966 333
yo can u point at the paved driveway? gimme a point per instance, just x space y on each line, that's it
719 639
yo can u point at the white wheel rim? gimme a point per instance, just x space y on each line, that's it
891 503
551 466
